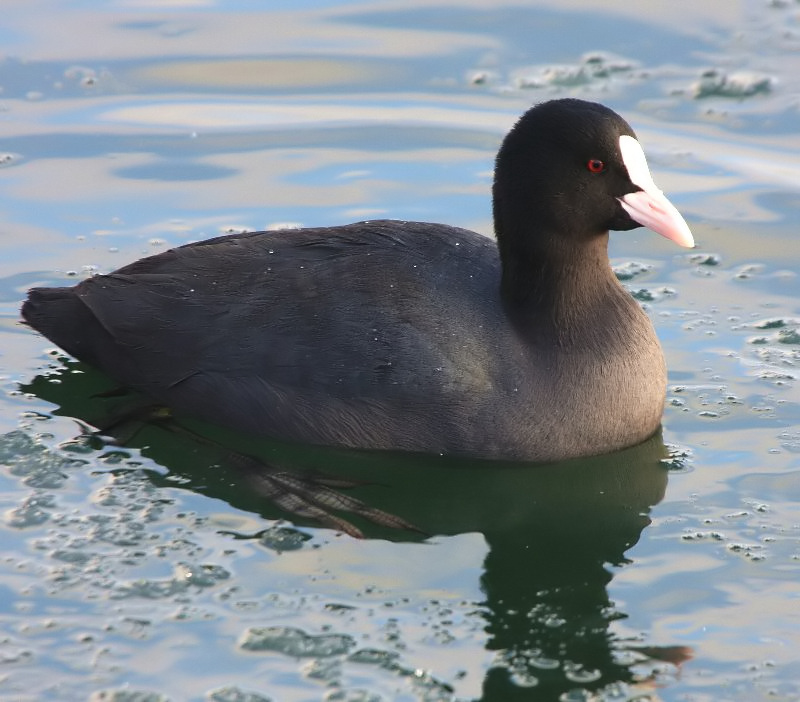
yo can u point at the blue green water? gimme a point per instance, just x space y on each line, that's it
149 572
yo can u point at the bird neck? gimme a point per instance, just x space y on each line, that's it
556 287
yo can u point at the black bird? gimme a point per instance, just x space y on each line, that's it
408 335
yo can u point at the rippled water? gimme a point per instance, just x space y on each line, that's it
668 571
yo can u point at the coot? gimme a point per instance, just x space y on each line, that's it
408 335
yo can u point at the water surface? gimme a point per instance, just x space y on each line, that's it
668 571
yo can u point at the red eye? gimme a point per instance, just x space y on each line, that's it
595 165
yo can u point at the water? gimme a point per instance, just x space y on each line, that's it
665 572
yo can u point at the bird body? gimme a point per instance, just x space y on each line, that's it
404 335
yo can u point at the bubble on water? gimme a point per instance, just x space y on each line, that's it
33 511
374 656
203 575
678 458
562 76
778 351
328 670
748 271
16 443
79 73
643 295
127 695
788 336
480 77
631 269
597 68
523 678
235 694
580 695
790 441
426 686
295 642
352 695
752 552
605 63
542 662
72 556
147 589
13 654
786 356
776 322
776 377
35 463
574 672
705 259
703 536
282 539
741 84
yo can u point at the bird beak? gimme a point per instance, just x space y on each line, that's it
649 206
